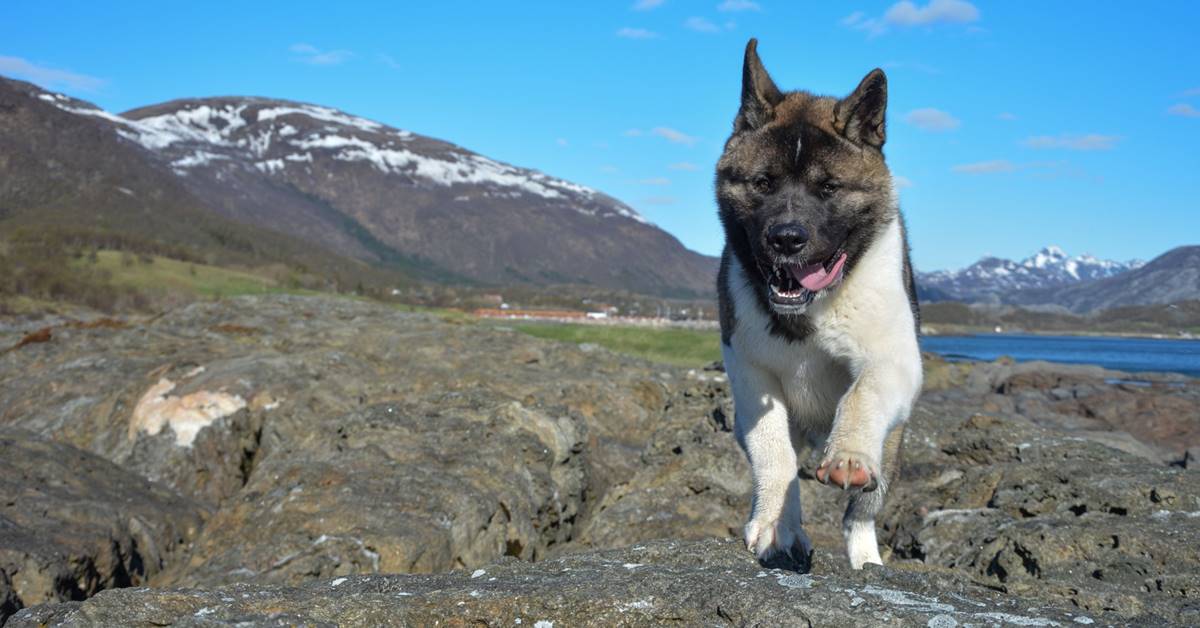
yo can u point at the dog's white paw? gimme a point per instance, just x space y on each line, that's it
779 540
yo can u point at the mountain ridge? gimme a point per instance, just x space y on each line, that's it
379 194
995 280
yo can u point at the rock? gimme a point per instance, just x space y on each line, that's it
1160 410
687 583
72 523
331 438
400 488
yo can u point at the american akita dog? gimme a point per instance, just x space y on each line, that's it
818 309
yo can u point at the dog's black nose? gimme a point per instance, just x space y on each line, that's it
787 238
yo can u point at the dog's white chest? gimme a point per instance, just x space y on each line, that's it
811 377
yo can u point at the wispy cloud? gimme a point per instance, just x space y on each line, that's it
654 181
923 68
659 200
930 119
1039 169
1195 91
646 5
907 14
1091 141
934 12
1185 110
986 167
901 183
632 133
562 141
48 77
636 33
673 136
685 166
701 25
315 56
389 61
1006 116
735 6
609 169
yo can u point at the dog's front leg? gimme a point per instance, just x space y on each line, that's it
864 440
761 423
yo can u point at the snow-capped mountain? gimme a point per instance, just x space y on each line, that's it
996 280
381 194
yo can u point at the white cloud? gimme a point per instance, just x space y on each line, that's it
734 6
1006 116
701 25
929 119
1039 169
636 33
562 141
659 200
48 77
646 5
632 133
673 136
389 61
986 167
1195 91
609 169
924 68
655 181
315 56
901 183
936 11
685 166
1091 141
906 14
1185 110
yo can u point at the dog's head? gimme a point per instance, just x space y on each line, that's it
802 185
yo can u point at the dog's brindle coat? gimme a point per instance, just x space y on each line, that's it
837 366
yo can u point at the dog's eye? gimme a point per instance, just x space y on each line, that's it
763 184
829 188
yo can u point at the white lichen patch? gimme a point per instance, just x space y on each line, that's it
185 415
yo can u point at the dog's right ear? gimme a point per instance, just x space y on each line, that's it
759 94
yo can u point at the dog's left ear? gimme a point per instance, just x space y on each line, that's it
860 116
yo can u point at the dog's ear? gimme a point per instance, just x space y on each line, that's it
860 116
759 94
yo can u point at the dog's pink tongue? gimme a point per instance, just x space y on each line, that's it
814 277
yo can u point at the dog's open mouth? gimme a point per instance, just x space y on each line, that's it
797 284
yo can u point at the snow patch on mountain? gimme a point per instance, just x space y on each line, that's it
991 279
244 134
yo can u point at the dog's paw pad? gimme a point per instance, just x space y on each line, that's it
847 470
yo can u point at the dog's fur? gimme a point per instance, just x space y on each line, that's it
836 367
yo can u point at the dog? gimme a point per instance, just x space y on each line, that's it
819 316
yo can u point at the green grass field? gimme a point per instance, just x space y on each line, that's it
681 347
165 274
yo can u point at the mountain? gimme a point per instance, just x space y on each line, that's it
392 198
997 280
1172 277
67 177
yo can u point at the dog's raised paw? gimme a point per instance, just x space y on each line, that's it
847 470
779 544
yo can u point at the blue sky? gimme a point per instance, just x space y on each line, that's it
1013 125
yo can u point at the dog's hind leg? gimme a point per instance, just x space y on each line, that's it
858 524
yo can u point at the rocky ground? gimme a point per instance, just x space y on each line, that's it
270 459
